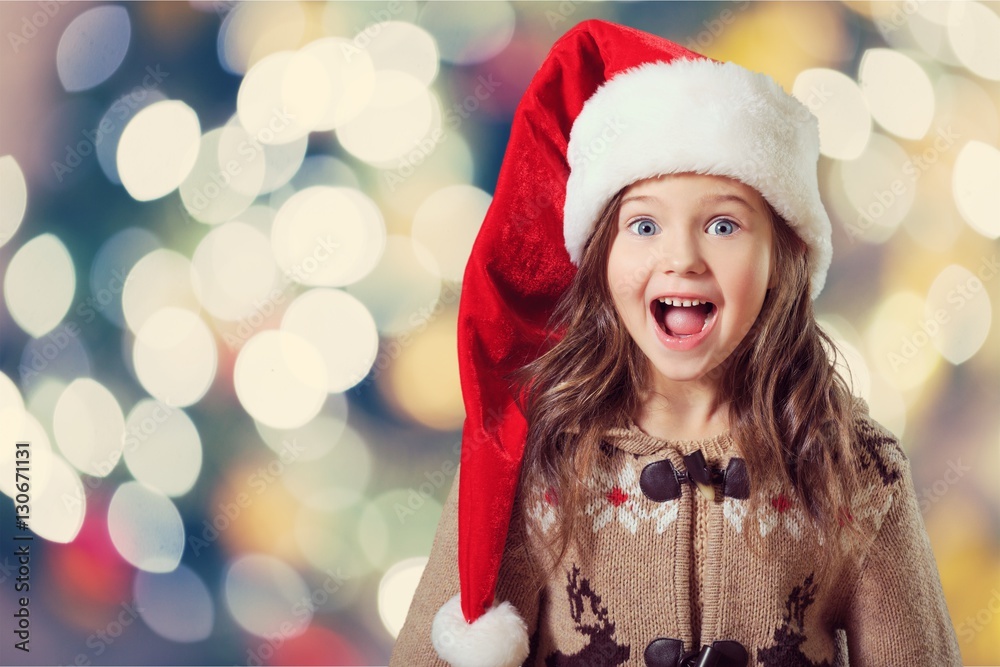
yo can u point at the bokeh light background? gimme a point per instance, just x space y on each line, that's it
233 237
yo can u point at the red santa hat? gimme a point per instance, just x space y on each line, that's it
609 106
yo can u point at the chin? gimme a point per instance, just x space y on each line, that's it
681 372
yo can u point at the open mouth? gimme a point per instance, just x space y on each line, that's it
681 318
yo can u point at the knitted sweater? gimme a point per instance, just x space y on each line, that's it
670 571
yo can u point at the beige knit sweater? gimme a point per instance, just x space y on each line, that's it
678 569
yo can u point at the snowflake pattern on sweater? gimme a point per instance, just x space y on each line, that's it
618 496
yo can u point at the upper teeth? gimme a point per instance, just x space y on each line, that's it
681 302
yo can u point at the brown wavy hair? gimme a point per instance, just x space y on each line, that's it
790 410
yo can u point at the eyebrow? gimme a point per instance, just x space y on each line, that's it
713 199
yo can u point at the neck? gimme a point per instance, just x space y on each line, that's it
683 410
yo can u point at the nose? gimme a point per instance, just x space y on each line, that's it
681 253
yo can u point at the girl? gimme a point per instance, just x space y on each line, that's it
661 464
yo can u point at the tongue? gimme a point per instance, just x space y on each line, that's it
685 321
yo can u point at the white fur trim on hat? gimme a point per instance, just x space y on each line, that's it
498 638
697 116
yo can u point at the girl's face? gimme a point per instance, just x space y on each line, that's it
690 238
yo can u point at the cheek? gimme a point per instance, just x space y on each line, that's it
747 279
627 276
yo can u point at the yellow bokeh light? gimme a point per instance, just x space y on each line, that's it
162 447
959 306
396 590
275 103
328 236
89 427
447 223
236 271
898 92
850 362
226 178
280 379
158 148
845 123
879 189
974 32
13 198
348 75
254 30
402 189
39 284
974 185
175 356
887 407
161 278
57 509
402 118
405 47
965 109
899 342
423 380
342 331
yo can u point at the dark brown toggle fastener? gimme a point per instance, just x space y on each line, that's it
723 653
700 474
660 481
736 481
669 652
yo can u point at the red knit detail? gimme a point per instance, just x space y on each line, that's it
781 503
616 496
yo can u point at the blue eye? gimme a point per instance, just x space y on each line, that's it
723 227
645 227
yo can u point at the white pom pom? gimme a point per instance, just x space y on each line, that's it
498 638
